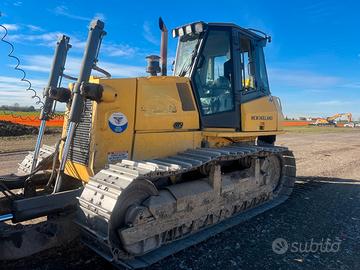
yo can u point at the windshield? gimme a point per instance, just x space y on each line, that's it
185 55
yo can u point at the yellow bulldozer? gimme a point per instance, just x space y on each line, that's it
148 166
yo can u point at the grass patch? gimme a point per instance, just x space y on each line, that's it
35 114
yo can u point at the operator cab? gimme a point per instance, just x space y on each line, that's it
226 66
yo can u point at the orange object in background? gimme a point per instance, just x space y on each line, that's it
295 123
32 121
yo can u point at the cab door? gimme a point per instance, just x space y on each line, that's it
250 67
259 110
214 81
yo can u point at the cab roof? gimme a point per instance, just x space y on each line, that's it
195 26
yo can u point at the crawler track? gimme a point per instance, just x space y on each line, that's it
158 235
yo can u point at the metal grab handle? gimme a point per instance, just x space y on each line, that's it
103 71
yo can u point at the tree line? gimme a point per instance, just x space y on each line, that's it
17 108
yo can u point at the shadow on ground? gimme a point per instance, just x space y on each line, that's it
320 208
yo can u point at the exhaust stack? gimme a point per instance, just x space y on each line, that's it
163 47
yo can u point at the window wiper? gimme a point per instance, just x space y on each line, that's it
186 68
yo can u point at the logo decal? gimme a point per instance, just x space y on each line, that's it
118 122
262 117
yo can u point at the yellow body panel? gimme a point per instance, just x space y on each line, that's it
239 134
158 108
162 144
261 114
108 142
159 105
153 106
105 143
219 129
78 171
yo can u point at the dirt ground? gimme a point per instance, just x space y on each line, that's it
24 143
11 129
325 206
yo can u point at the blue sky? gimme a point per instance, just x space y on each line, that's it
313 61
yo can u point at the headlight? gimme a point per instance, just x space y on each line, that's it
196 28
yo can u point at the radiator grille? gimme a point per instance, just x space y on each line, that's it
79 151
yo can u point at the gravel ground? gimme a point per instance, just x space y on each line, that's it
324 207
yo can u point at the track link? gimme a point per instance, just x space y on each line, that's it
98 202
25 165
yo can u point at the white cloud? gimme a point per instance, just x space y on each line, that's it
123 70
148 35
49 40
42 63
118 50
16 27
11 27
12 89
34 28
306 92
17 3
302 79
110 49
337 102
14 83
308 81
64 11
46 39
352 85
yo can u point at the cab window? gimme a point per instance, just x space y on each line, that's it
264 83
253 68
213 74
247 58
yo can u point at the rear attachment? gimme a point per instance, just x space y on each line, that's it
133 215
32 219
46 190
22 240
